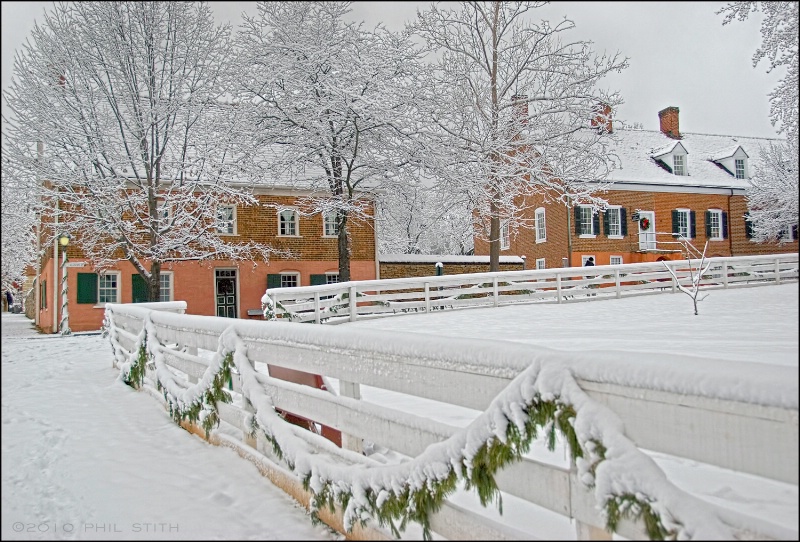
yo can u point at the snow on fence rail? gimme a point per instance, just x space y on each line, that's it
694 409
349 301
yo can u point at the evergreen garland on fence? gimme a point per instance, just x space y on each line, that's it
389 505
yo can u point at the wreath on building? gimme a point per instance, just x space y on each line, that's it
644 223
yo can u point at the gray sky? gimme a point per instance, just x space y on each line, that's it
680 55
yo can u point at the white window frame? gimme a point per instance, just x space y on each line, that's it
290 275
541 225
737 173
687 215
332 277
295 222
168 277
586 257
163 212
226 226
718 214
615 209
615 257
587 211
505 235
330 223
101 288
540 263
679 169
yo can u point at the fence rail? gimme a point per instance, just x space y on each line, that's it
181 355
350 301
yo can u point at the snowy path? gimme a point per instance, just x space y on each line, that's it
87 457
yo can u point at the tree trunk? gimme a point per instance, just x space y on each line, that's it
154 287
344 248
494 239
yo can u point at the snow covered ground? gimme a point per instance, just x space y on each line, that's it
86 457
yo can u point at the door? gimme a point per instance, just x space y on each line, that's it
647 230
226 292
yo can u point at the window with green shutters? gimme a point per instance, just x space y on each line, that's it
274 280
87 288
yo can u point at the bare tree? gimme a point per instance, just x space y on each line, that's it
695 272
334 104
513 104
140 145
773 193
18 220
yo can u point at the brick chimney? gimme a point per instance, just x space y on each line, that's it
669 122
602 119
520 104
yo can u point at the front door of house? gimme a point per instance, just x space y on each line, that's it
225 288
647 230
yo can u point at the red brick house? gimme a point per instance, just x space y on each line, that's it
215 287
669 184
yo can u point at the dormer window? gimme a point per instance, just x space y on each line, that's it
679 165
740 168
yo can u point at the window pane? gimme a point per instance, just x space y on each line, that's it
225 219
107 289
331 278
505 238
679 165
166 287
541 229
288 281
683 223
331 227
587 226
739 168
288 226
614 222
714 217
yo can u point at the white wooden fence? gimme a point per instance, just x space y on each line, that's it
350 301
726 431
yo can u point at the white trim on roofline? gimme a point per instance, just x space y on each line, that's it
634 186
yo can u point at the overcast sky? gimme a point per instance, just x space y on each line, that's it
680 55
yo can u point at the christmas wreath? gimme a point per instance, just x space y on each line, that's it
645 223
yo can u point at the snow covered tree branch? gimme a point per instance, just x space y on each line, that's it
334 106
128 102
695 275
513 105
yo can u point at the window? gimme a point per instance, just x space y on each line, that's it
716 224
615 260
679 165
163 212
288 222
290 280
107 288
614 225
541 227
739 168
165 282
587 222
226 219
683 223
505 235
540 264
331 278
330 224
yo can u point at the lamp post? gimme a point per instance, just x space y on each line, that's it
63 240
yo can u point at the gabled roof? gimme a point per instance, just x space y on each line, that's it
638 151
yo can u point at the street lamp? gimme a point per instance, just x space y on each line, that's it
63 240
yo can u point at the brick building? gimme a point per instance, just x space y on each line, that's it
213 287
669 184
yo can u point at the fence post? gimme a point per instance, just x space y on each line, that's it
352 390
427 297
725 274
496 294
777 271
352 303
674 278
558 287
316 308
616 281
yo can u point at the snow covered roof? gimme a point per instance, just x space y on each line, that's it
638 148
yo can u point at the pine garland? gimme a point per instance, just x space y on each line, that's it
401 503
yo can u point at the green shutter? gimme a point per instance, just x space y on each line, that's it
87 288
724 225
708 224
43 296
606 228
595 223
316 280
623 220
676 227
576 212
274 280
692 225
748 228
140 289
